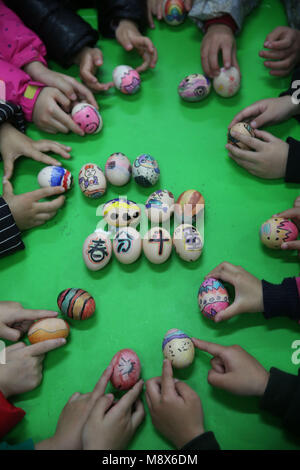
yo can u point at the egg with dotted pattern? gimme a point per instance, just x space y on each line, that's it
178 348
227 83
276 231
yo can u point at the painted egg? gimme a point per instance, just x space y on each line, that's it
118 169
178 348
159 206
157 245
121 212
127 245
76 303
87 117
243 128
189 205
227 83
126 369
188 243
126 79
92 181
97 250
212 297
276 231
145 170
194 87
55 176
174 12
48 328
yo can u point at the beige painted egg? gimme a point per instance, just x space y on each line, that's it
92 181
242 128
159 206
157 245
188 243
127 245
48 328
97 250
178 348
118 169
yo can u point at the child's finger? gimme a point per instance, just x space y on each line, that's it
44 217
62 99
64 120
293 213
224 271
153 389
138 414
52 146
127 400
217 365
229 312
226 53
211 348
278 65
52 206
42 157
263 135
280 73
44 346
251 142
32 314
99 389
46 192
9 333
167 381
86 94
242 155
291 245
8 166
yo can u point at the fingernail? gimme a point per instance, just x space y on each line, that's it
62 190
4 180
284 246
62 341
227 65
73 96
110 395
233 133
176 380
253 124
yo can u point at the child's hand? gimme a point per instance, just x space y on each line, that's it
14 144
130 38
175 408
26 209
234 370
154 8
89 59
50 112
16 320
284 50
23 370
267 112
248 290
294 215
74 90
218 37
267 157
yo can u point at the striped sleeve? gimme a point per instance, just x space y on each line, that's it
13 113
10 235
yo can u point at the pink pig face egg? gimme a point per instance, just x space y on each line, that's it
126 369
126 79
227 83
87 118
212 297
276 231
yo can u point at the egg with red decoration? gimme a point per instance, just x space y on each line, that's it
212 297
276 231
227 83
126 369
189 206
126 79
87 117
51 176
174 12
97 250
77 304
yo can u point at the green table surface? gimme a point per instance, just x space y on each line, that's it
137 304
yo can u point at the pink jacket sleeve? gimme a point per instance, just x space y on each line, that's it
18 44
20 89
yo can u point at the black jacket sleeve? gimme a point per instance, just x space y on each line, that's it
292 172
63 32
282 398
294 89
281 299
10 236
206 441
111 11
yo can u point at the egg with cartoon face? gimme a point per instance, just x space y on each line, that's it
188 242
118 169
97 250
127 245
121 212
159 206
178 348
212 297
126 79
87 117
194 87
145 170
276 231
92 181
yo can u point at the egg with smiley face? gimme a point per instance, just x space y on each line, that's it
178 348
87 117
121 212
145 170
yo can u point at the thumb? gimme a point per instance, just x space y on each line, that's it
217 379
8 167
291 245
229 312
8 189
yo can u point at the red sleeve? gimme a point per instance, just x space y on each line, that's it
10 415
225 19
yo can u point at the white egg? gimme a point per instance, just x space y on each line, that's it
227 83
188 243
118 169
159 206
120 212
126 79
92 181
178 348
97 250
55 176
157 245
127 245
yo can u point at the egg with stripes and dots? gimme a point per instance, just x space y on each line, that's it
127 245
187 242
276 231
126 369
51 176
243 128
189 205
227 83
118 169
174 12
121 212
76 303
157 245
145 170
97 250
194 87
87 117
48 328
126 79
92 181
178 348
212 297
159 206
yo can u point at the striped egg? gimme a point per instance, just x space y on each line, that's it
76 303
189 205
55 176
48 328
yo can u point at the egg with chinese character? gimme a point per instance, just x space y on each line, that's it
227 83
126 79
126 369
145 170
92 181
178 348
194 87
97 250
118 169
48 328
276 231
157 245
212 297
77 304
187 242
121 212
174 12
55 176
242 128
159 206
87 117
127 245
189 206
